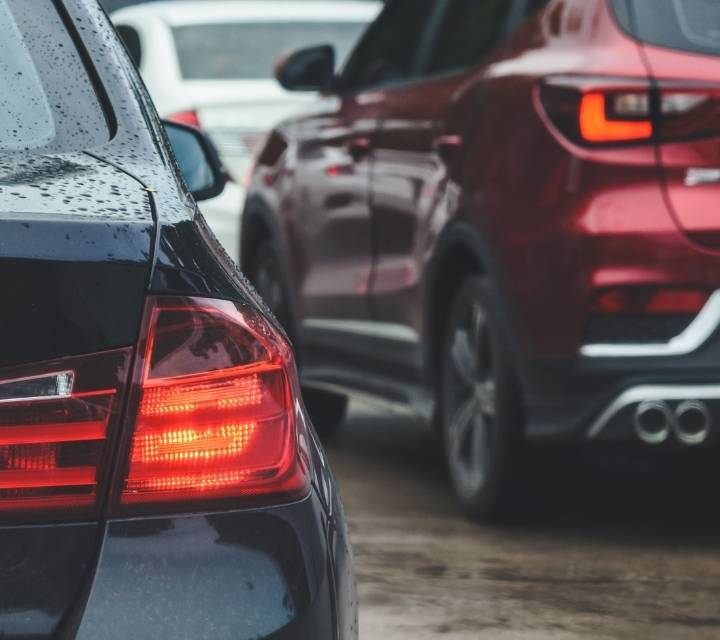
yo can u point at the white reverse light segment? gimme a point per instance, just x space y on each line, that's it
45 387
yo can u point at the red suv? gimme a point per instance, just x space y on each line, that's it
505 214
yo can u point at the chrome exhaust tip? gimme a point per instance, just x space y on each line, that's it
693 422
653 421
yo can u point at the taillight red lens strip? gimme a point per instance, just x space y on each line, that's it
33 478
53 432
54 443
641 301
227 389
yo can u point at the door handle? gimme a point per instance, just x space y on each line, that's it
447 147
359 148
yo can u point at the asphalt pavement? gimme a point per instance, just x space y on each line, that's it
629 547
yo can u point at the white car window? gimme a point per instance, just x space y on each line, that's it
248 51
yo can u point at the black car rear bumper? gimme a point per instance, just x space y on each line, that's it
239 575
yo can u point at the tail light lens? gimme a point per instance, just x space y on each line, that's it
639 301
58 421
186 117
597 111
211 420
213 416
607 118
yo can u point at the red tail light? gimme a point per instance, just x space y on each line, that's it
211 420
186 117
645 301
57 425
213 416
599 124
606 111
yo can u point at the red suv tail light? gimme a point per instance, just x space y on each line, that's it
57 425
212 416
610 111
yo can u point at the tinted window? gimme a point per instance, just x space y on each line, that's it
470 30
131 38
47 102
390 50
250 50
687 25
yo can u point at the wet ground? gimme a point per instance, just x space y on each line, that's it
631 548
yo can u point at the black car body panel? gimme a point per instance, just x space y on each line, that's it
75 242
237 575
42 569
85 236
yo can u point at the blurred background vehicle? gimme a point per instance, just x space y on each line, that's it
210 64
504 214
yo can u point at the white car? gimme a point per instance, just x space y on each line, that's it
210 63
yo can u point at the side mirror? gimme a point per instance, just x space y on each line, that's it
311 69
198 160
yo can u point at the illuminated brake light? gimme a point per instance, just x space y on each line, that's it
596 126
596 111
56 428
214 417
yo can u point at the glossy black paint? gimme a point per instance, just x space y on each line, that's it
83 238
236 575
75 244
43 569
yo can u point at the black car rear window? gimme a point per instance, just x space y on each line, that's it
685 25
48 103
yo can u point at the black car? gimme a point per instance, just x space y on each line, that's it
159 477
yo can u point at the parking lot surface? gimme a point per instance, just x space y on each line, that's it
629 550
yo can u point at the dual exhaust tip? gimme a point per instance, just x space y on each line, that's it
690 422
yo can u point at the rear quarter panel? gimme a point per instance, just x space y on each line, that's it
561 221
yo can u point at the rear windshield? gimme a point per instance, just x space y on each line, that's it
686 25
250 50
47 103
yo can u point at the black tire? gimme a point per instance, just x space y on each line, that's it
267 276
481 409
327 410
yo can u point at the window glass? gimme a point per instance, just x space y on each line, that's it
469 31
48 102
687 25
26 120
131 38
390 50
249 51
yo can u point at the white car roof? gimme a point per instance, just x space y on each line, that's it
187 12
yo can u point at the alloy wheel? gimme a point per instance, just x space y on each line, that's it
470 401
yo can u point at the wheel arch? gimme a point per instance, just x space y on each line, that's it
460 252
258 225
